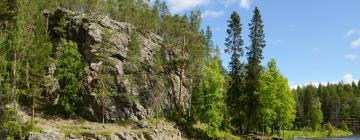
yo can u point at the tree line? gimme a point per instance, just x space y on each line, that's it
245 98
336 104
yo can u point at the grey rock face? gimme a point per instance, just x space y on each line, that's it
102 40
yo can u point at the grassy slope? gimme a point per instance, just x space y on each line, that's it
315 134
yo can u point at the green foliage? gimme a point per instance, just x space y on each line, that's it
330 129
235 94
133 57
69 72
314 134
254 68
211 113
315 115
10 126
277 102
339 101
343 126
134 49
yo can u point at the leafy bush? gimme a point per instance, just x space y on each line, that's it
343 126
330 129
10 126
69 72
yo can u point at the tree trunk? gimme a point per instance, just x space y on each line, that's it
157 114
263 130
103 114
180 88
33 107
47 25
14 81
103 106
28 89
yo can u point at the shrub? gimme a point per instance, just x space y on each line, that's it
343 126
330 129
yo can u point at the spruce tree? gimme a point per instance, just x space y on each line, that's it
234 44
254 57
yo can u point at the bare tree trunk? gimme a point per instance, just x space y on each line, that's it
180 88
47 25
103 106
190 102
14 81
157 114
103 112
28 89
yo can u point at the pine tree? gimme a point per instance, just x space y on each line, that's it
208 36
254 57
195 20
134 52
38 56
234 97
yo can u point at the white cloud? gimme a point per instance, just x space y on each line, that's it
350 32
226 3
245 4
351 56
315 84
355 43
177 6
213 14
348 78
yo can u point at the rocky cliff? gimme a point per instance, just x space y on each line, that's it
101 40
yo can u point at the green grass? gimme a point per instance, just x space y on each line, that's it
222 135
315 134
78 130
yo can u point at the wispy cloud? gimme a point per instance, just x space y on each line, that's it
226 3
177 6
245 4
355 43
350 32
212 14
351 56
242 3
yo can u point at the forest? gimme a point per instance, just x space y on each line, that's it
337 104
245 98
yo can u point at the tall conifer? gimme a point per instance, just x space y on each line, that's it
234 44
254 57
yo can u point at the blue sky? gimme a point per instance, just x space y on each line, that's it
312 40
